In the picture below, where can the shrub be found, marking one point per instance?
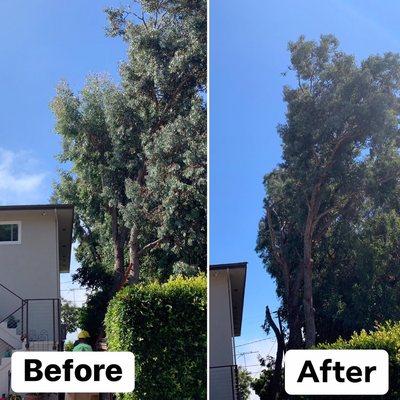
(165, 326)
(385, 337)
(68, 345)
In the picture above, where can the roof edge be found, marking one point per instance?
(33, 207)
(239, 331)
(242, 264)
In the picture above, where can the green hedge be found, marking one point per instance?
(385, 337)
(165, 326)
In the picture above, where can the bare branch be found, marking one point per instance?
(150, 246)
(141, 18)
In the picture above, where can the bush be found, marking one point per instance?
(68, 345)
(385, 337)
(165, 326)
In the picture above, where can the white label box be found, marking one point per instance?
(72, 372)
(336, 372)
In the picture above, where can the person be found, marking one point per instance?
(83, 344)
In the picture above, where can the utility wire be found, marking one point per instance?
(254, 341)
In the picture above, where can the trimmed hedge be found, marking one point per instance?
(385, 337)
(165, 326)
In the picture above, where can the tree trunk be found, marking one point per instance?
(293, 304)
(134, 256)
(292, 293)
(118, 244)
(309, 317)
(118, 247)
(274, 388)
(295, 340)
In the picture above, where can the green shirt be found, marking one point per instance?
(83, 347)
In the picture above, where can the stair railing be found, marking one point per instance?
(48, 329)
(37, 320)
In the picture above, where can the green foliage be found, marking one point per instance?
(245, 381)
(262, 384)
(96, 178)
(358, 275)
(385, 337)
(135, 153)
(93, 312)
(70, 316)
(165, 326)
(68, 346)
(338, 178)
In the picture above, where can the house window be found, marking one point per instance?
(10, 232)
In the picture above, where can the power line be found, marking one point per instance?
(248, 352)
(244, 354)
(254, 341)
(273, 345)
(253, 366)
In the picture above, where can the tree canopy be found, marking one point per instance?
(340, 146)
(135, 151)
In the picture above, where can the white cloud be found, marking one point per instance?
(20, 180)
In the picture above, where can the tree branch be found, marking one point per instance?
(150, 246)
(277, 253)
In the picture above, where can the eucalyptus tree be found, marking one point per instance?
(165, 81)
(340, 116)
(98, 144)
(135, 152)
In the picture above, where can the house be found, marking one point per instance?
(35, 248)
(226, 295)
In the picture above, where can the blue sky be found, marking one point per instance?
(42, 42)
(248, 54)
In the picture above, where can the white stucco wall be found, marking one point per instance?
(220, 320)
(220, 336)
(30, 269)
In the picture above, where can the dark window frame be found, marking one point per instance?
(12, 224)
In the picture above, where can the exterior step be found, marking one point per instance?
(9, 335)
(11, 330)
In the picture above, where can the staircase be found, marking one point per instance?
(10, 336)
(26, 325)
(9, 342)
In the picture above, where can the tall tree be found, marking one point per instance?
(135, 152)
(338, 117)
(165, 80)
(96, 128)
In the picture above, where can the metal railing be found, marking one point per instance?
(35, 321)
(41, 324)
(224, 383)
